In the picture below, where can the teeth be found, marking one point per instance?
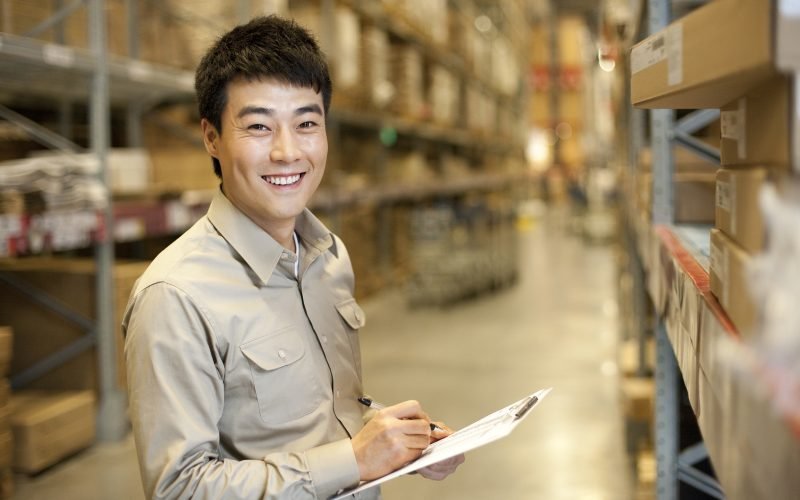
(282, 180)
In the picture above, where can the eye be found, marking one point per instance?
(260, 127)
(308, 124)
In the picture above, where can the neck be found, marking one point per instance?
(283, 236)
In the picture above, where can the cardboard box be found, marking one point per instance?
(684, 160)
(40, 332)
(183, 169)
(694, 198)
(49, 426)
(755, 127)
(6, 448)
(5, 392)
(738, 214)
(707, 58)
(729, 282)
(6, 349)
(638, 394)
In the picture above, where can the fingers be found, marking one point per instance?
(394, 437)
(440, 432)
(441, 470)
(406, 410)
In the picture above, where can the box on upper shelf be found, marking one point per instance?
(738, 214)
(729, 281)
(708, 58)
(755, 127)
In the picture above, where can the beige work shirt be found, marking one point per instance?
(243, 380)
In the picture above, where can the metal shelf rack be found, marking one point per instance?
(32, 68)
(753, 451)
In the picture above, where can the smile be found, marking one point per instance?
(282, 180)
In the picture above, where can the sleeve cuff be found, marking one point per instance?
(333, 467)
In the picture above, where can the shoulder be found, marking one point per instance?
(190, 258)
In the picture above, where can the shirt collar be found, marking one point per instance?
(258, 249)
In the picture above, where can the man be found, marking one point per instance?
(242, 336)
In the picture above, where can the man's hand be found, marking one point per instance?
(441, 470)
(395, 436)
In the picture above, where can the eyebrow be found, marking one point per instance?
(260, 110)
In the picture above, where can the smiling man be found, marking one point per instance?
(241, 338)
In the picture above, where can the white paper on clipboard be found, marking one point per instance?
(486, 430)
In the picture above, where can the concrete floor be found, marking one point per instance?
(557, 327)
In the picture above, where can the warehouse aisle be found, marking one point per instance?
(556, 328)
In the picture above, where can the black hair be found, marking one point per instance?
(265, 47)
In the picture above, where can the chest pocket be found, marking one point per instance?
(283, 376)
(354, 319)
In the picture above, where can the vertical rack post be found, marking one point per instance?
(666, 418)
(111, 420)
(135, 110)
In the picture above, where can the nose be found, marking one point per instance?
(284, 147)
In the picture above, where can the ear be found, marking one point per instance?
(210, 137)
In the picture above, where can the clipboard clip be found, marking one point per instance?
(526, 407)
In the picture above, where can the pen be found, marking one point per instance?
(377, 406)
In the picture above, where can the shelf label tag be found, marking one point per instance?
(733, 125)
(675, 54)
(724, 195)
(58, 55)
(648, 53)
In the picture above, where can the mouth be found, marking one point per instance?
(283, 180)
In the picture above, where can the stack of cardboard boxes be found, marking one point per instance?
(723, 55)
(754, 150)
(55, 415)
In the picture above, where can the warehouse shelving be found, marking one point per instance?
(35, 68)
(755, 452)
(55, 73)
(32, 68)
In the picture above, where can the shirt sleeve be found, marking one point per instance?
(176, 396)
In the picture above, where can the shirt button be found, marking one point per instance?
(338, 393)
(358, 316)
(281, 354)
(324, 339)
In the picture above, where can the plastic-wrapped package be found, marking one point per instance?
(773, 353)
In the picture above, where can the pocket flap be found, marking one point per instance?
(274, 351)
(352, 313)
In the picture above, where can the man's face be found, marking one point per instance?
(272, 149)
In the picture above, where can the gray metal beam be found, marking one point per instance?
(696, 120)
(666, 425)
(111, 420)
(53, 361)
(696, 146)
(695, 477)
(39, 133)
(56, 19)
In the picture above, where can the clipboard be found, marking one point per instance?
(484, 431)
